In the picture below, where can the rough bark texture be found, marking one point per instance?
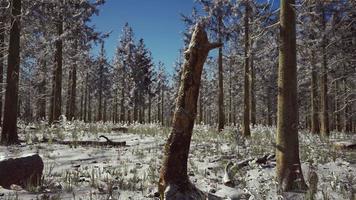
(41, 110)
(9, 128)
(73, 93)
(252, 93)
(313, 96)
(221, 115)
(2, 53)
(324, 115)
(246, 120)
(174, 182)
(25, 171)
(57, 85)
(289, 172)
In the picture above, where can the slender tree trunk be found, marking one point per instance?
(135, 109)
(221, 115)
(230, 92)
(57, 85)
(2, 58)
(89, 107)
(337, 106)
(314, 97)
(159, 98)
(41, 110)
(9, 128)
(86, 97)
(73, 93)
(252, 93)
(246, 119)
(289, 172)
(149, 107)
(174, 182)
(324, 113)
(82, 97)
(105, 111)
(122, 103)
(100, 91)
(201, 106)
(162, 107)
(68, 94)
(269, 106)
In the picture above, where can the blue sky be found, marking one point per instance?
(156, 21)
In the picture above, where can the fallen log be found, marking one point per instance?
(346, 145)
(108, 142)
(24, 171)
(261, 160)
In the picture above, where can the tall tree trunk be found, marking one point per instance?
(174, 182)
(41, 110)
(89, 107)
(73, 93)
(9, 128)
(201, 106)
(246, 118)
(221, 115)
(2, 58)
(68, 94)
(314, 97)
(289, 172)
(159, 105)
(122, 102)
(149, 106)
(230, 92)
(324, 112)
(86, 97)
(162, 107)
(269, 106)
(100, 91)
(252, 93)
(337, 106)
(57, 86)
(105, 111)
(135, 108)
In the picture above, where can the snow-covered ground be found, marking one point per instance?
(131, 172)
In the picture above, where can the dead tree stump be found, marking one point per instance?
(174, 182)
(23, 171)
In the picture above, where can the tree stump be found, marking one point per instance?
(24, 171)
(174, 182)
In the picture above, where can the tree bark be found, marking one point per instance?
(269, 106)
(25, 171)
(289, 172)
(42, 92)
(9, 128)
(324, 115)
(252, 93)
(314, 97)
(221, 115)
(2, 58)
(174, 182)
(57, 85)
(162, 107)
(246, 119)
(73, 93)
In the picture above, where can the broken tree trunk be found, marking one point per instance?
(23, 171)
(174, 182)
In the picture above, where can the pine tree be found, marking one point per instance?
(289, 172)
(9, 128)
